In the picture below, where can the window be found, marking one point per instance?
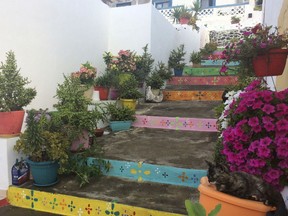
(123, 4)
(211, 3)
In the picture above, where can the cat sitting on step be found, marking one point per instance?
(246, 186)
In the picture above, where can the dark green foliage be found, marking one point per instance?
(164, 71)
(144, 65)
(155, 81)
(176, 58)
(129, 88)
(208, 49)
(195, 57)
(105, 80)
(119, 113)
(13, 93)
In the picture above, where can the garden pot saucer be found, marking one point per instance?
(46, 185)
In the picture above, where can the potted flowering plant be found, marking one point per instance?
(86, 75)
(259, 47)
(45, 145)
(254, 133)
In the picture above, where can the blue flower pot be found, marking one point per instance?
(44, 173)
(120, 125)
(178, 72)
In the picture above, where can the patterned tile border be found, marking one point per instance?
(214, 80)
(71, 205)
(153, 173)
(192, 95)
(205, 71)
(176, 123)
(217, 63)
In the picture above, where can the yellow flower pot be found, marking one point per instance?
(130, 103)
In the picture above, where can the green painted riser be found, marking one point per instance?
(205, 71)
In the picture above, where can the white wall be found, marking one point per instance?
(51, 37)
(129, 28)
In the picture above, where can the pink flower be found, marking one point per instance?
(265, 141)
(223, 69)
(267, 108)
(254, 146)
(282, 125)
(254, 121)
(269, 126)
(263, 152)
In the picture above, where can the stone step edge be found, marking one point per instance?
(188, 95)
(211, 80)
(176, 123)
(144, 172)
(72, 205)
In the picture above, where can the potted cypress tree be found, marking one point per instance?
(176, 60)
(14, 96)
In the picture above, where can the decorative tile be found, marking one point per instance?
(142, 172)
(70, 205)
(192, 95)
(176, 123)
(206, 71)
(213, 80)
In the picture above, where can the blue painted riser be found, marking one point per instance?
(153, 173)
(217, 63)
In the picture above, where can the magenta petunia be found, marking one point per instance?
(258, 163)
(263, 152)
(265, 141)
(254, 146)
(283, 163)
(268, 109)
(257, 129)
(267, 96)
(282, 125)
(282, 107)
(257, 105)
(269, 126)
(267, 119)
(282, 151)
(274, 173)
(254, 121)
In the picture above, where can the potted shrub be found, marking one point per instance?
(196, 58)
(121, 118)
(208, 50)
(129, 92)
(72, 109)
(157, 78)
(176, 60)
(45, 145)
(185, 16)
(102, 84)
(235, 20)
(261, 52)
(86, 75)
(14, 96)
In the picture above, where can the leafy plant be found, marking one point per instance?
(119, 113)
(235, 20)
(197, 209)
(13, 93)
(195, 57)
(176, 14)
(144, 65)
(158, 76)
(105, 80)
(42, 141)
(208, 49)
(129, 88)
(176, 58)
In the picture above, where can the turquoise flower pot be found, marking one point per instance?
(120, 125)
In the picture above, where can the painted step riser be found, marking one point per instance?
(192, 95)
(217, 63)
(207, 71)
(144, 172)
(214, 81)
(61, 204)
(176, 123)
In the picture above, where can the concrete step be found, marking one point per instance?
(187, 95)
(196, 87)
(181, 149)
(217, 63)
(188, 109)
(206, 81)
(104, 195)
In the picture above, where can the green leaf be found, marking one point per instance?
(199, 209)
(189, 208)
(215, 211)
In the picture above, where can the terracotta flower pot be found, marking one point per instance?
(271, 64)
(230, 205)
(184, 21)
(11, 123)
(103, 92)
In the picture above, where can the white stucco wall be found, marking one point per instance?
(129, 28)
(51, 37)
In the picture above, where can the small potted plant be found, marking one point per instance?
(235, 20)
(72, 108)
(14, 95)
(86, 75)
(208, 50)
(129, 92)
(176, 60)
(257, 52)
(196, 58)
(181, 15)
(45, 145)
(102, 84)
(121, 117)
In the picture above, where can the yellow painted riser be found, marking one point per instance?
(193, 95)
(71, 205)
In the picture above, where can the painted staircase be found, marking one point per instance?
(155, 166)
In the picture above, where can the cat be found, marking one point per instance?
(246, 186)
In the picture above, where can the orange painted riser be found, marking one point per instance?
(210, 197)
